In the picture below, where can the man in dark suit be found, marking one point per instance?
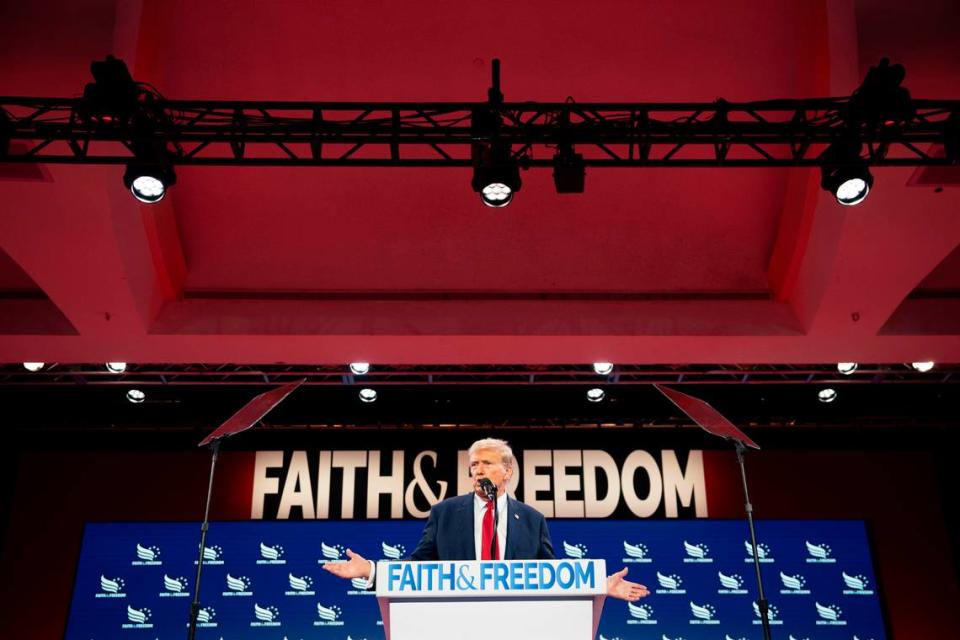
(521, 532)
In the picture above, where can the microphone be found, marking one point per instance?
(488, 488)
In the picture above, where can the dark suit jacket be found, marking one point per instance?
(449, 533)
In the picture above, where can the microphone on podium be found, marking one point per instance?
(488, 488)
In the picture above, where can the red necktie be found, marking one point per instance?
(488, 535)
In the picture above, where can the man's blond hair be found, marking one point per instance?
(496, 444)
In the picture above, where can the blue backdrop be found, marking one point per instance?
(263, 579)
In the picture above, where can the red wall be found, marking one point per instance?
(56, 493)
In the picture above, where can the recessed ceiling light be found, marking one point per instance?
(368, 395)
(827, 395)
(603, 368)
(595, 395)
(846, 368)
(359, 368)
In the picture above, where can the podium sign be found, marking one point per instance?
(533, 599)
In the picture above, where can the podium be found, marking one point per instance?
(528, 599)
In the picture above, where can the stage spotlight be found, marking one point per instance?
(148, 182)
(33, 366)
(922, 367)
(846, 368)
(880, 99)
(496, 175)
(359, 368)
(569, 172)
(136, 396)
(497, 184)
(595, 395)
(116, 367)
(845, 174)
(827, 395)
(368, 395)
(113, 95)
(603, 368)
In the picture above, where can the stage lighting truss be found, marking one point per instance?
(772, 133)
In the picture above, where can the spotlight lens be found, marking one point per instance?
(852, 191)
(595, 395)
(359, 368)
(922, 367)
(116, 367)
(147, 189)
(368, 395)
(846, 368)
(33, 366)
(603, 368)
(496, 194)
(136, 396)
(827, 395)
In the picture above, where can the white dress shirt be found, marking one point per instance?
(479, 508)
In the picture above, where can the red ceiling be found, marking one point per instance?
(406, 266)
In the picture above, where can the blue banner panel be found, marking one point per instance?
(263, 580)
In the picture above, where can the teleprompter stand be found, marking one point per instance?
(713, 422)
(244, 419)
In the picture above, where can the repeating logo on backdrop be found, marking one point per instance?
(773, 614)
(138, 618)
(670, 584)
(392, 551)
(819, 553)
(147, 556)
(697, 552)
(265, 616)
(331, 553)
(212, 555)
(328, 616)
(271, 554)
(726, 636)
(703, 614)
(829, 614)
(792, 637)
(300, 586)
(205, 618)
(174, 587)
(793, 585)
(763, 552)
(640, 614)
(730, 584)
(111, 587)
(238, 586)
(665, 637)
(576, 550)
(360, 587)
(636, 553)
(855, 585)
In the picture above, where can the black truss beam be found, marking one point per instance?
(778, 133)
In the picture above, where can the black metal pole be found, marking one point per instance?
(195, 606)
(762, 603)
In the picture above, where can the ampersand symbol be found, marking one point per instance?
(465, 580)
(420, 482)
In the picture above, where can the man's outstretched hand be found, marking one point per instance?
(617, 587)
(356, 567)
